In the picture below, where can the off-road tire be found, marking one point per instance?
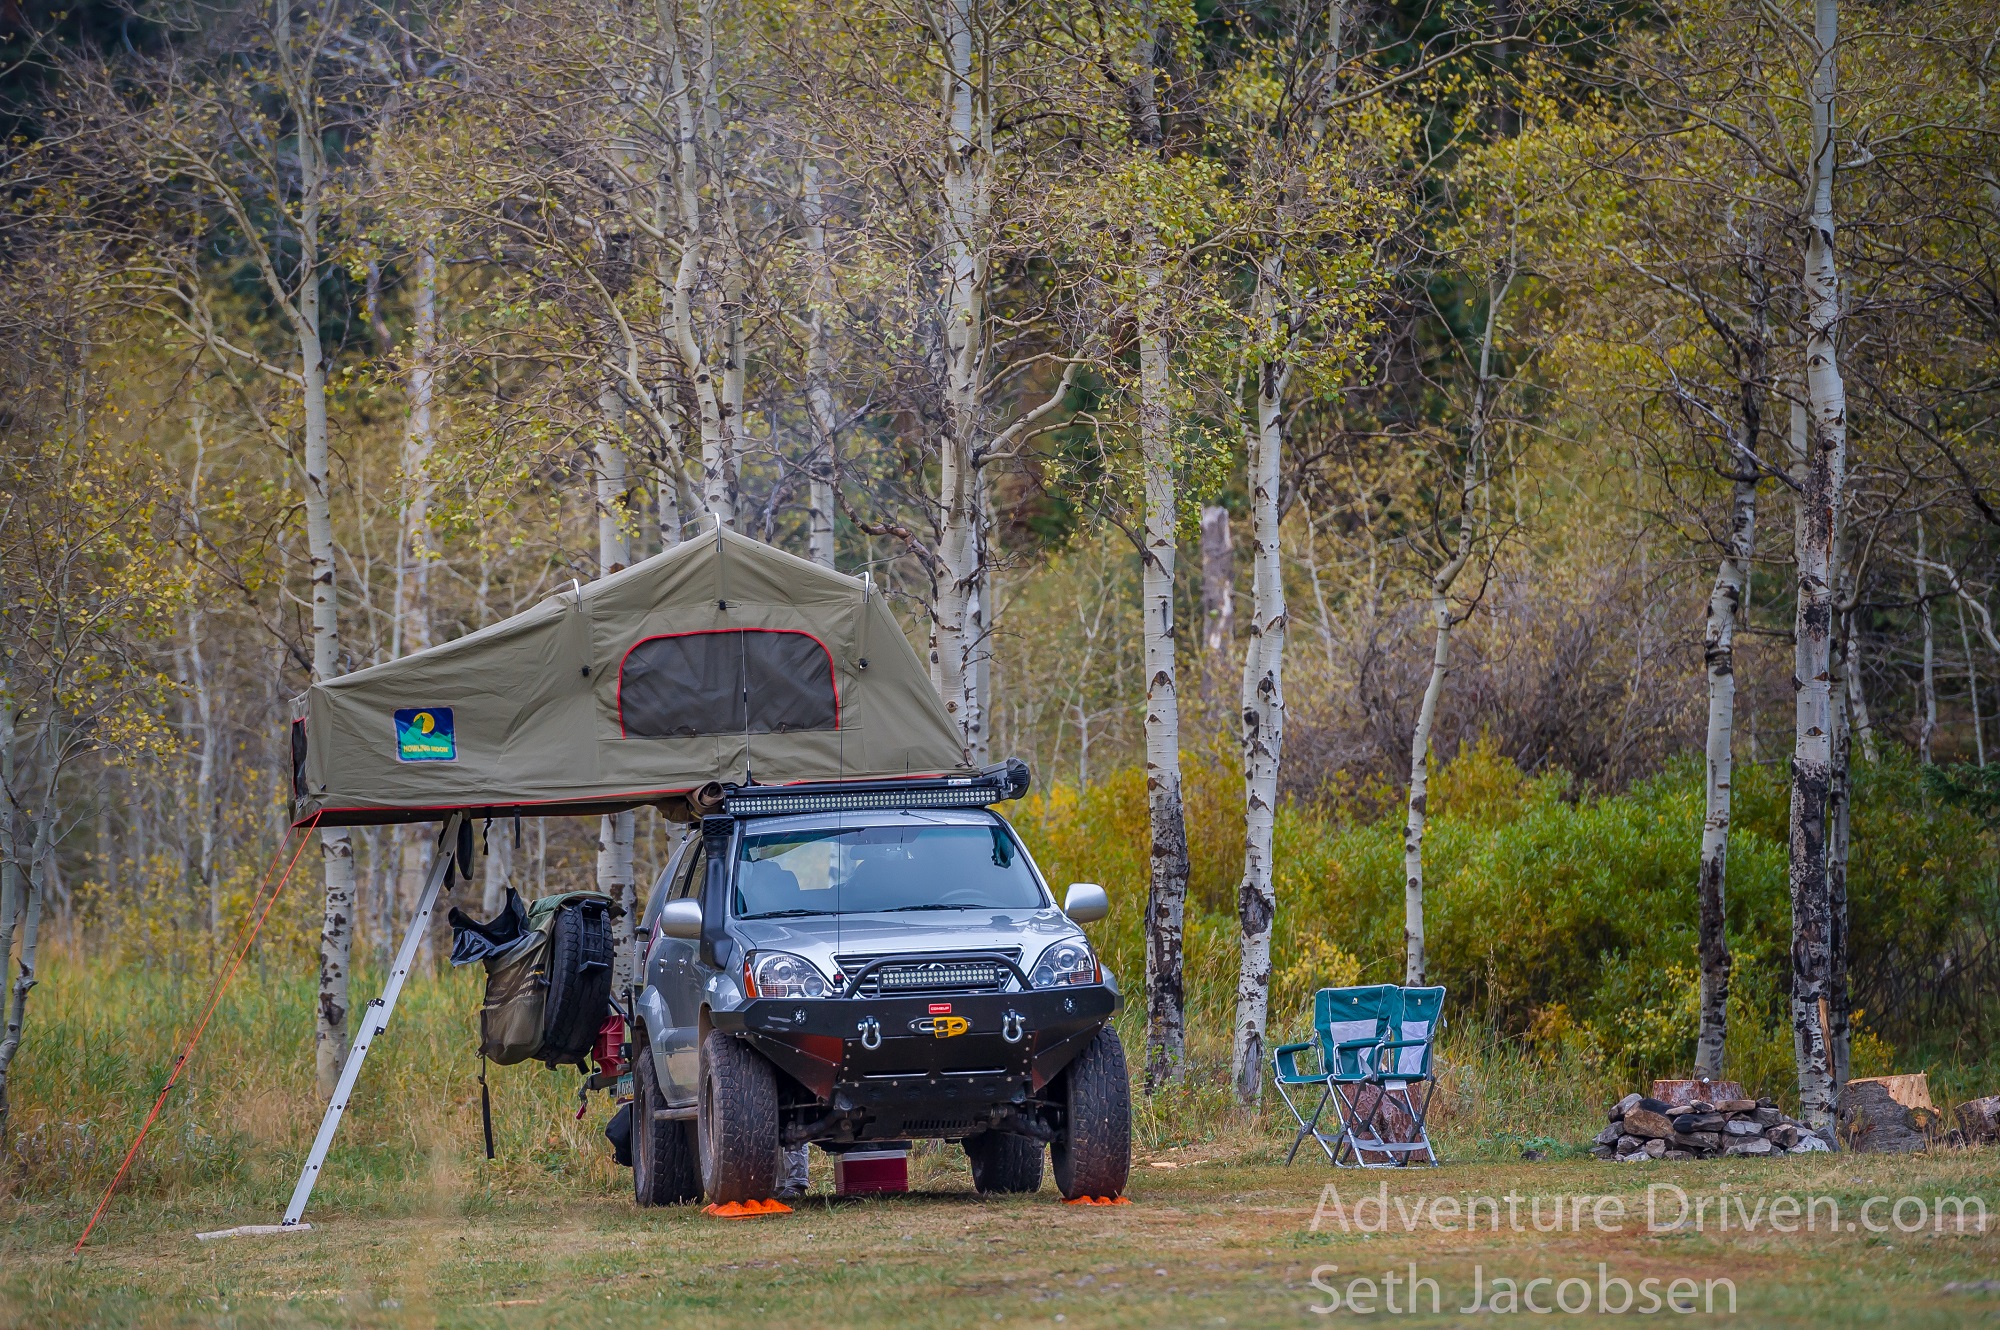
(579, 971)
(1002, 1163)
(1093, 1154)
(739, 1121)
(666, 1164)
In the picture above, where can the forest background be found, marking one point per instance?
(1387, 467)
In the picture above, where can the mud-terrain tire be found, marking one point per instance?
(666, 1163)
(739, 1121)
(579, 974)
(1003, 1164)
(1093, 1155)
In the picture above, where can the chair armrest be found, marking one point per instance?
(1393, 1045)
(1284, 1062)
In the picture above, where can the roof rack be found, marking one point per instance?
(1002, 780)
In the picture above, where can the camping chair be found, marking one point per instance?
(1401, 1064)
(1350, 1026)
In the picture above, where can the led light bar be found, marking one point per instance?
(933, 975)
(1005, 780)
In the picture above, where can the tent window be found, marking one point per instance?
(727, 681)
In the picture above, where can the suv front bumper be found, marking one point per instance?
(882, 1059)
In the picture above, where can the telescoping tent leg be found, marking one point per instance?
(375, 1021)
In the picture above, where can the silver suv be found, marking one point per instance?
(843, 966)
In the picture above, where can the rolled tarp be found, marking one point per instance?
(721, 660)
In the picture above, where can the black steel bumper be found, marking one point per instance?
(881, 1070)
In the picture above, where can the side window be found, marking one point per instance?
(690, 884)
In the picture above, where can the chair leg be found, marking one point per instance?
(1307, 1126)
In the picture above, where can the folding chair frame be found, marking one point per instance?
(1355, 1115)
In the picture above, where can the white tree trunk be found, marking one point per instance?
(1418, 811)
(1166, 1035)
(967, 208)
(1857, 700)
(336, 848)
(499, 866)
(1927, 730)
(1972, 686)
(1263, 708)
(1818, 505)
(690, 76)
(822, 466)
(615, 830)
(413, 573)
(1218, 581)
(1725, 606)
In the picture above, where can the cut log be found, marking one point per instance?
(1911, 1090)
(1872, 1121)
(1979, 1119)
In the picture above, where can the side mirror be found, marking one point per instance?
(681, 919)
(1086, 902)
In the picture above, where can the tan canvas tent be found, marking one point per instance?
(721, 659)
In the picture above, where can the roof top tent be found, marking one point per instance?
(717, 665)
(721, 660)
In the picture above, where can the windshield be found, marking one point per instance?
(862, 870)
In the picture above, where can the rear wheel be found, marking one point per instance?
(1002, 1163)
(666, 1169)
(1093, 1155)
(739, 1121)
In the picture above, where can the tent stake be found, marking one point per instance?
(374, 1021)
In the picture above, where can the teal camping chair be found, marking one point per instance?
(1406, 1063)
(1376, 1046)
(1350, 1025)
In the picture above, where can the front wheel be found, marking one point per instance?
(665, 1167)
(1002, 1163)
(1093, 1155)
(739, 1121)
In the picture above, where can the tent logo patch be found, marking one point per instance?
(424, 734)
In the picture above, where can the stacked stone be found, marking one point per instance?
(1643, 1128)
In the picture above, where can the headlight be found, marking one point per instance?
(1065, 963)
(779, 974)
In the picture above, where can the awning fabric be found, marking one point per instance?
(720, 660)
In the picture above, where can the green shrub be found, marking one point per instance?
(1552, 914)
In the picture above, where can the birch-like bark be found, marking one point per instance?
(1839, 836)
(1972, 686)
(1218, 581)
(1820, 498)
(1263, 701)
(1927, 731)
(499, 867)
(968, 188)
(614, 551)
(1857, 698)
(21, 912)
(204, 711)
(1441, 625)
(690, 75)
(822, 466)
(336, 848)
(412, 630)
(1725, 607)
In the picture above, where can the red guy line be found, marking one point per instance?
(214, 1000)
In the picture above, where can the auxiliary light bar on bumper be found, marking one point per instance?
(1002, 780)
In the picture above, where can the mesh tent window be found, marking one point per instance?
(727, 681)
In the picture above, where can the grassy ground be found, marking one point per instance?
(1214, 1240)
(414, 1227)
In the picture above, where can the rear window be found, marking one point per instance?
(727, 681)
